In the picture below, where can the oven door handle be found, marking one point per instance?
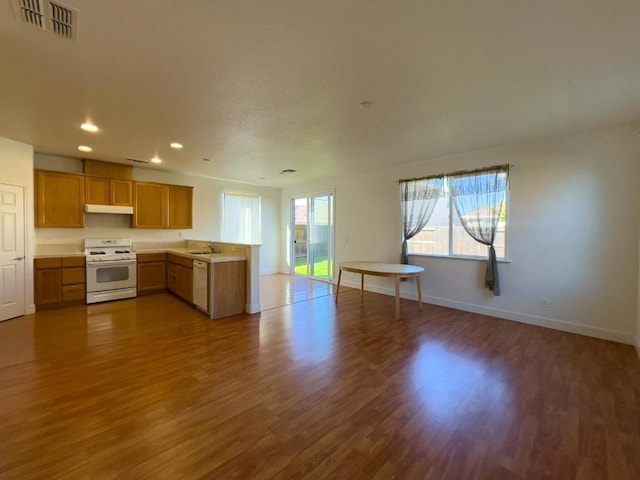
(112, 263)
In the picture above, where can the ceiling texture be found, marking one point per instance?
(266, 85)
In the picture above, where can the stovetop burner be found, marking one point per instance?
(100, 250)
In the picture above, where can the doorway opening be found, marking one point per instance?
(312, 219)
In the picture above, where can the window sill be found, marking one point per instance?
(458, 257)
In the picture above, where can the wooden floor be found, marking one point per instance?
(149, 388)
(278, 290)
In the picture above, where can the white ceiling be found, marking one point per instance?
(264, 85)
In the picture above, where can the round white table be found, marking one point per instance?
(378, 269)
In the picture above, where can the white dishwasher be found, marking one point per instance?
(200, 284)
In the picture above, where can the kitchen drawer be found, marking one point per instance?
(72, 276)
(73, 292)
(73, 261)
(41, 263)
(184, 261)
(151, 257)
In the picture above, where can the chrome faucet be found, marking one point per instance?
(213, 248)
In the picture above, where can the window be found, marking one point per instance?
(444, 234)
(241, 218)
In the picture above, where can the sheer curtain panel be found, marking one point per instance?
(241, 218)
(479, 198)
(418, 198)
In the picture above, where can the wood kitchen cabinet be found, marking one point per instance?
(121, 192)
(229, 288)
(59, 199)
(180, 276)
(149, 205)
(108, 191)
(152, 273)
(184, 283)
(48, 287)
(179, 205)
(59, 282)
(156, 205)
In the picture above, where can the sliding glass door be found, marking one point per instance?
(312, 227)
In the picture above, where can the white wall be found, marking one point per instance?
(16, 168)
(207, 212)
(573, 233)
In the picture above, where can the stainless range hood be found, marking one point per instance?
(122, 210)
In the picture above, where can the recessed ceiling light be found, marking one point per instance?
(89, 127)
(176, 145)
(84, 148)
(156, 160)
(365, 104)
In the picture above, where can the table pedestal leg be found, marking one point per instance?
(362, 284)
(419, 286)
(338, 288)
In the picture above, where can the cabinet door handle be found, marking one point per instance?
(18, 258)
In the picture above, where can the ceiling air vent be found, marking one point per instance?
(135, 160)
(53, 17)
(31, 11)
(64, 20)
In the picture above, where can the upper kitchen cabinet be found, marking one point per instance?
(180, 201)
(121, 192)
(149, 205)
(108, 191)
(59, 199)
(156, 205)
(96, 190)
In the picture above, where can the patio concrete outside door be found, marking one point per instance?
(12, 263)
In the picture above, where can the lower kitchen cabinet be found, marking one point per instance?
(184, 284)
(180, 276)
(59, 282)
(48, 286)
(151, 273)
(229, 288)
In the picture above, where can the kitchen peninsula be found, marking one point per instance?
(228, 285)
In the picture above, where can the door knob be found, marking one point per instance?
(18, 258)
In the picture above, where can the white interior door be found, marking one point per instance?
(11, 251)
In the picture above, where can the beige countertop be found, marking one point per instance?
(205, 257)
(59, 255)
(184, 252)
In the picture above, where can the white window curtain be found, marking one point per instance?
(479, 197)
(241, 218)
(418, 198)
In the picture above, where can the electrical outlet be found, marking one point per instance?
(545, 302)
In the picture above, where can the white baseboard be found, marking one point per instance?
(253, 308)
(269, 272)
(527, 318)
(30, 309)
